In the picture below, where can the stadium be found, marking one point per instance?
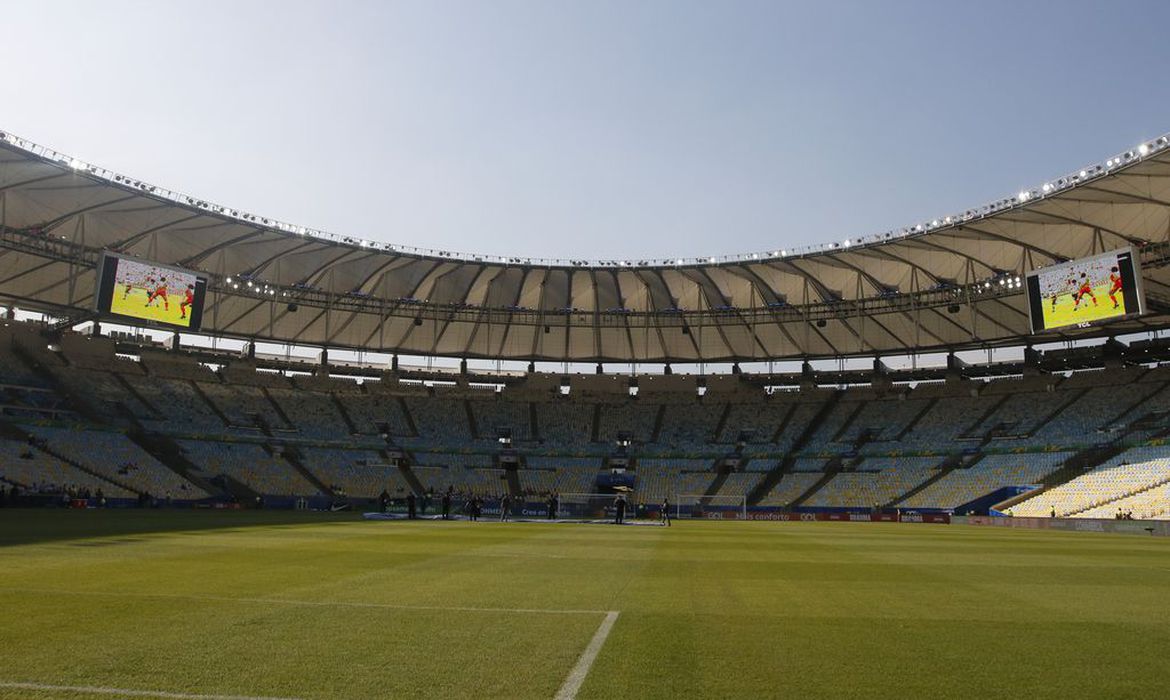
(243, 500)
(584, 350)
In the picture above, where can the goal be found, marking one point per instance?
(689, 505)
(591, 506)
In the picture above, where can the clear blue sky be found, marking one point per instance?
(590, 129)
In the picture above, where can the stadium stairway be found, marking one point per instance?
(293, 457)
(471, 419)
(832, 468)
(949, 465)
(276, 407)
(533, 422)
(783, 424)
(849, 421)
(340, 406)
(658, 420)
(407, 474)
(970, 434)
(785, 465)
(714, 487)
(211, 404)
(723, 416)
(1076, 396)
(512, 476)
(170, 455)
(130, 389)
(914, 421)
(406, 413)
(238, 490)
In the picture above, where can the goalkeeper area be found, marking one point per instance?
(266, 604)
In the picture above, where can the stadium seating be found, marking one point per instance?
(358, 473)
(993, 472)
(38, 472)
(1012, 431)
(1128, 474)
(249, 464)
(115, 456)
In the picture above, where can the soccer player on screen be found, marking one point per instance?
(1114, 285)
(1070, 287)
(188, 300)
(160, 291)
(1086, 288)
(126, 292)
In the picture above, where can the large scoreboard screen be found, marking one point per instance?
(149, 291)
(1084, 292)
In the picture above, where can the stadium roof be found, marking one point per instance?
(946, 284)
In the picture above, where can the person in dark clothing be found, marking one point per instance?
(446, 505)
(505, 504)
(411, 501)
(552, 506)
(666, 511)
(619, 509)
(383, 501)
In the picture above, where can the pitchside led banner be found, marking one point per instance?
(148, 291)
(1092, 290)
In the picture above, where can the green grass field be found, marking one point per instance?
(321, 606)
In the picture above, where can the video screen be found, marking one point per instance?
(150, 292)
(1082, 292)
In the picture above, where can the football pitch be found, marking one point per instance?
(287, 605)
(1068, 313)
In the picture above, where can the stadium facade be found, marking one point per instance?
(1084, 423)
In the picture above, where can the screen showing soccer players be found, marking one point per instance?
(150, 292)
(1086, 291)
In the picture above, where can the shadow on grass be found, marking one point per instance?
(117, 526)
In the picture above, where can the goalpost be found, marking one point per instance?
(589, 505)
(600, 505)
(696, 505)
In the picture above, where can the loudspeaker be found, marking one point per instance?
(821, 323)
(953, 309)
(292, 308)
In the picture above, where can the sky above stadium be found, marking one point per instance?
(594, 130)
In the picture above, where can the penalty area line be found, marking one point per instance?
(577, 676)
(129, 692)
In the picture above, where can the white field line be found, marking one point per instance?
(576, 677)
(304, 603)
(129, 693)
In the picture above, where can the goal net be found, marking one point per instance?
(710, 507)
(593, 506)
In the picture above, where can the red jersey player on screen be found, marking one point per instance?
(160, 291)
(1086, 288)
(188, 300)
(1114, 285)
